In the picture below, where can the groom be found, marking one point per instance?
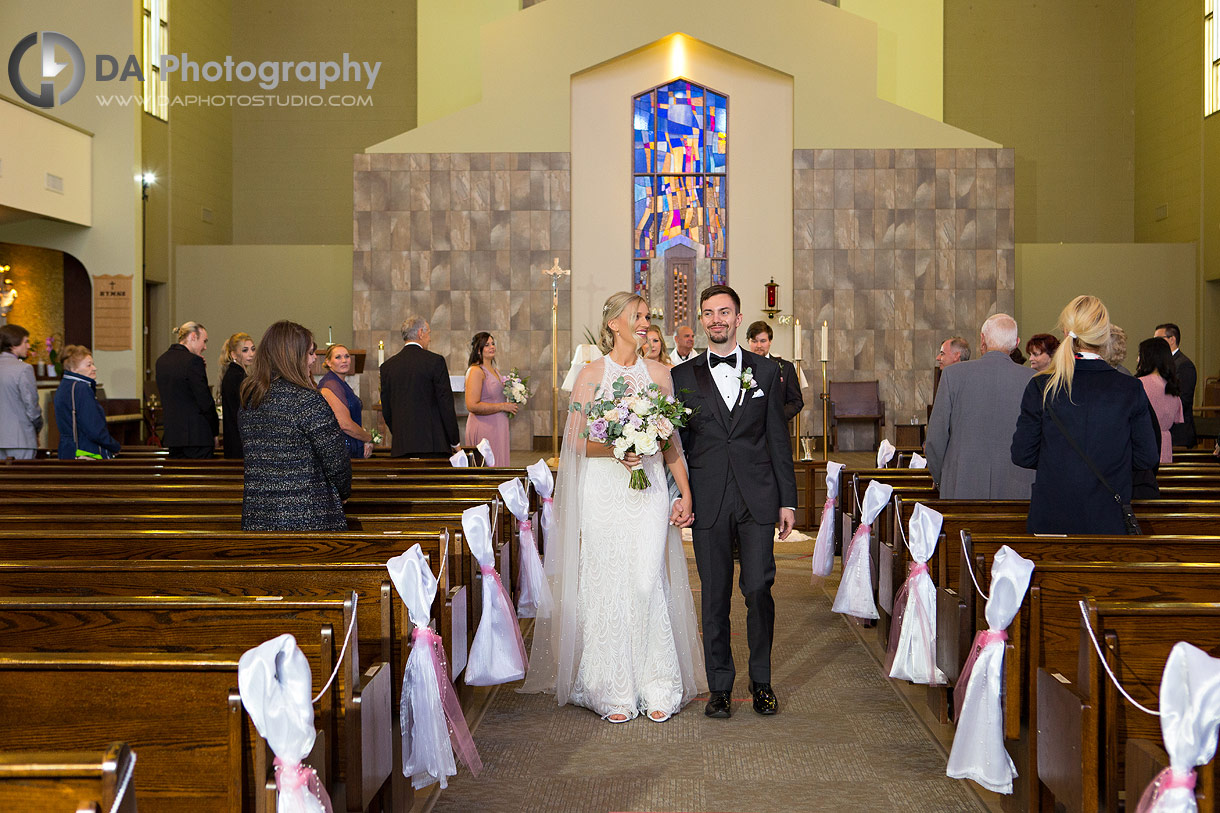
(743, 482)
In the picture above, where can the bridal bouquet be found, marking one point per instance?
(516, 388)
(640, 423)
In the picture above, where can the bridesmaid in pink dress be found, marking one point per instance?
(485, 399)
(1155, 370)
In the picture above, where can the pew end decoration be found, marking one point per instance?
(535, 596)
(978, 751)
(275, 683)
(885, 453)
(1190, 717)
(544, 483)
(498, 653)
(459, 459)
(918, 461)
(484, 447)
(433, 726)
(912, 650)
(855, 596)
(824, 546)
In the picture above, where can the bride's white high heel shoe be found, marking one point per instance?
(652, 715)
(610, 718)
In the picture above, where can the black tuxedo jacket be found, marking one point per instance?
(752, 439)
(1183, 434)
(417, 403)
(794, 402)
(190, 413)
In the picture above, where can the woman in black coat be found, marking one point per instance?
(235, 358)
(1104, 411)
(297, 469)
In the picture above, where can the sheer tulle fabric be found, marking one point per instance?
(824, 546)
(912, 652)
(621, 636)
(978, 744)
(1190, 716)
(497, 654)
(855, 596)
(276, 685)
(430, 728)
(535, 593)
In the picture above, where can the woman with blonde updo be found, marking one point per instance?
(236, 356)
(1104, 412)
(622, 638)
(654, 346)
(343, 400)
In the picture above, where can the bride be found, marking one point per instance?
(622, 638)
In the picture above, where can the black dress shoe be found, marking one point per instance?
(719, 705)
(764, 698)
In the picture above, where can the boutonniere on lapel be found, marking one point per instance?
(747, 383)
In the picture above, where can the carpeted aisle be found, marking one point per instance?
(843, 740)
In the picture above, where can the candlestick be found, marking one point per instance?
(825, 341)
(380, 353)
(330, 336)
(796, 341)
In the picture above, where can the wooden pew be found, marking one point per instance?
(69, 781)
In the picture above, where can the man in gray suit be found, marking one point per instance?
(974, 417)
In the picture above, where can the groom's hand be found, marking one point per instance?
(681, 514)
(787, 520)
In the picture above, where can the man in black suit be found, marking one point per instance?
(742, 481)
(1183, 434)
(760, 336)
(416, 398)
(191, 423)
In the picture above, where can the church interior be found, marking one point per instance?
(872, 177)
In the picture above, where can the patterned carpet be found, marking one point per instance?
(843, 741)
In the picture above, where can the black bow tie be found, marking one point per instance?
(729, 360)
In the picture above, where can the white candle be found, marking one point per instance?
(825, 341)
(796, 341)
(380, 353)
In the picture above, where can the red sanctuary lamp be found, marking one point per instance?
(771, 298)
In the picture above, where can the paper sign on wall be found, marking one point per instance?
(112, 312)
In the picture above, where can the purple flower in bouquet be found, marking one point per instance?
(597, 429)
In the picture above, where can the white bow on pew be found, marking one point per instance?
(824, 547)
(535, 591)
(855, 596)
(498, 653)
(459, 460)
(484, 447)
(978, 744)
(433, 725)
(275, 683)
(912, 651)
(918, 461)
(885, 453)
(1190, 716)
(544, 483)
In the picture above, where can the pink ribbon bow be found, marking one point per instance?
(506, 607)
(1166, 780)
(525, 525)
(459, 733)
(861, 532)
(290, 778)
(900, 609)
(981, 639)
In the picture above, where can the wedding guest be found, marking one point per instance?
(684, 344)
(485, 399)
(20, 415)
(1106, 415)
(760, 336)
(81, 421)
(1041, 346)
(297, 469)
(952, 351)
(349, 410)
(1188, 376)
(1155, 369)
(1115, 352)
(191, 423)
(235, 358)
(654, 347)
(416, 397)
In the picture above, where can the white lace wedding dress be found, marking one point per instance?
(623, 638)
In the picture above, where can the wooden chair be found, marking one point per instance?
(856, 401)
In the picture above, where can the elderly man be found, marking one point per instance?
(416, 398)
(1183, 434)
(191, 423)
(975, 415)
(20, 415)
(952, 351)
(684, 344)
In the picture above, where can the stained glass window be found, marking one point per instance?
(639, 278)
(680, 165)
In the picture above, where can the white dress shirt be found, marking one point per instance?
(728, 379)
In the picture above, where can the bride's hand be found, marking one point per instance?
(682, 515)
(630, 460)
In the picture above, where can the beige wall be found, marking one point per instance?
(32, 146)
(291, 167)
(910, 51)
(1056, 82)
(247, 288)
(1142, 285)
(112, 244)
(450, 59)
(760, 174)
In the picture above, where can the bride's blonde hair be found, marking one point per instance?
(614, 307)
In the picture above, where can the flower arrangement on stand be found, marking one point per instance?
(639, 423)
